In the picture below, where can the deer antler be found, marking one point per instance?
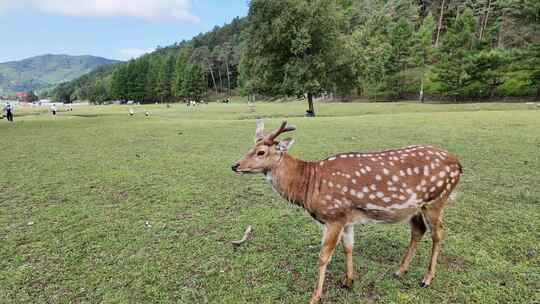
(282, 129)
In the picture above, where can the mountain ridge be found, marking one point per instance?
(45, 71)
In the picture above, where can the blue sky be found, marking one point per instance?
(116, 29)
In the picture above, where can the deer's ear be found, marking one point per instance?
(259, 131)
(285, 145)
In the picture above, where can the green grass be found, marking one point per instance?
(99, 207)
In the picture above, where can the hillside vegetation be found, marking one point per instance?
(44, 71)
(378, 49)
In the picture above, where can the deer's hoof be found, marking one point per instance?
(347, 284)
(424, 284)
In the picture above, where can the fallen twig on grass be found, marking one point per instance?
(247, 235)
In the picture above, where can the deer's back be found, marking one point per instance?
(383, 186)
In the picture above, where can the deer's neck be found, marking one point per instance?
(291, 178)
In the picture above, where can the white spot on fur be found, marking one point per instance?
(410, 203)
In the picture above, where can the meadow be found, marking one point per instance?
(100, 207)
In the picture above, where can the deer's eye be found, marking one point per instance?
(260, 153)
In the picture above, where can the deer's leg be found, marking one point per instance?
(329, 241)
(347, 241)
(433, 218)
(418, 228)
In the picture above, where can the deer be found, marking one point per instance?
(411, 184)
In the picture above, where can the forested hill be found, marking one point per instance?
(208, 62)
(44, 71)
(388, 49)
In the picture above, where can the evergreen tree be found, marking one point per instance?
(194, 82)
(179, 74)
(400, 60)
(164, 78)
(423, 49)
(454, 55)
(119, 87)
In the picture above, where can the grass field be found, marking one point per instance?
(98, 207)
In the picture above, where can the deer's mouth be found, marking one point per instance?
(241, 172)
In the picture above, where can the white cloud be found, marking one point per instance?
(132, 53)
(147, 9)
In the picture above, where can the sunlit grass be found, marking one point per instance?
(97, 206)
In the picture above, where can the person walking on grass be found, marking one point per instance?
(9, 112)
(53, 110)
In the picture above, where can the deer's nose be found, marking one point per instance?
(235, 167)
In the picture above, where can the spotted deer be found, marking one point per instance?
(411, 185)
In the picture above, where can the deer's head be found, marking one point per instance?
(267, 151)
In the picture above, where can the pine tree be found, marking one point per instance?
(119, 83)
(164, 78)
(454, 54)
(423, 49)
(179, 74)
(194, 83)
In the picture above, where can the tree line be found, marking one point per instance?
(380, 49)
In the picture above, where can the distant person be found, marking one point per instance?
(146, 113)
(53, 110)
(9, 112)
(131, 113)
